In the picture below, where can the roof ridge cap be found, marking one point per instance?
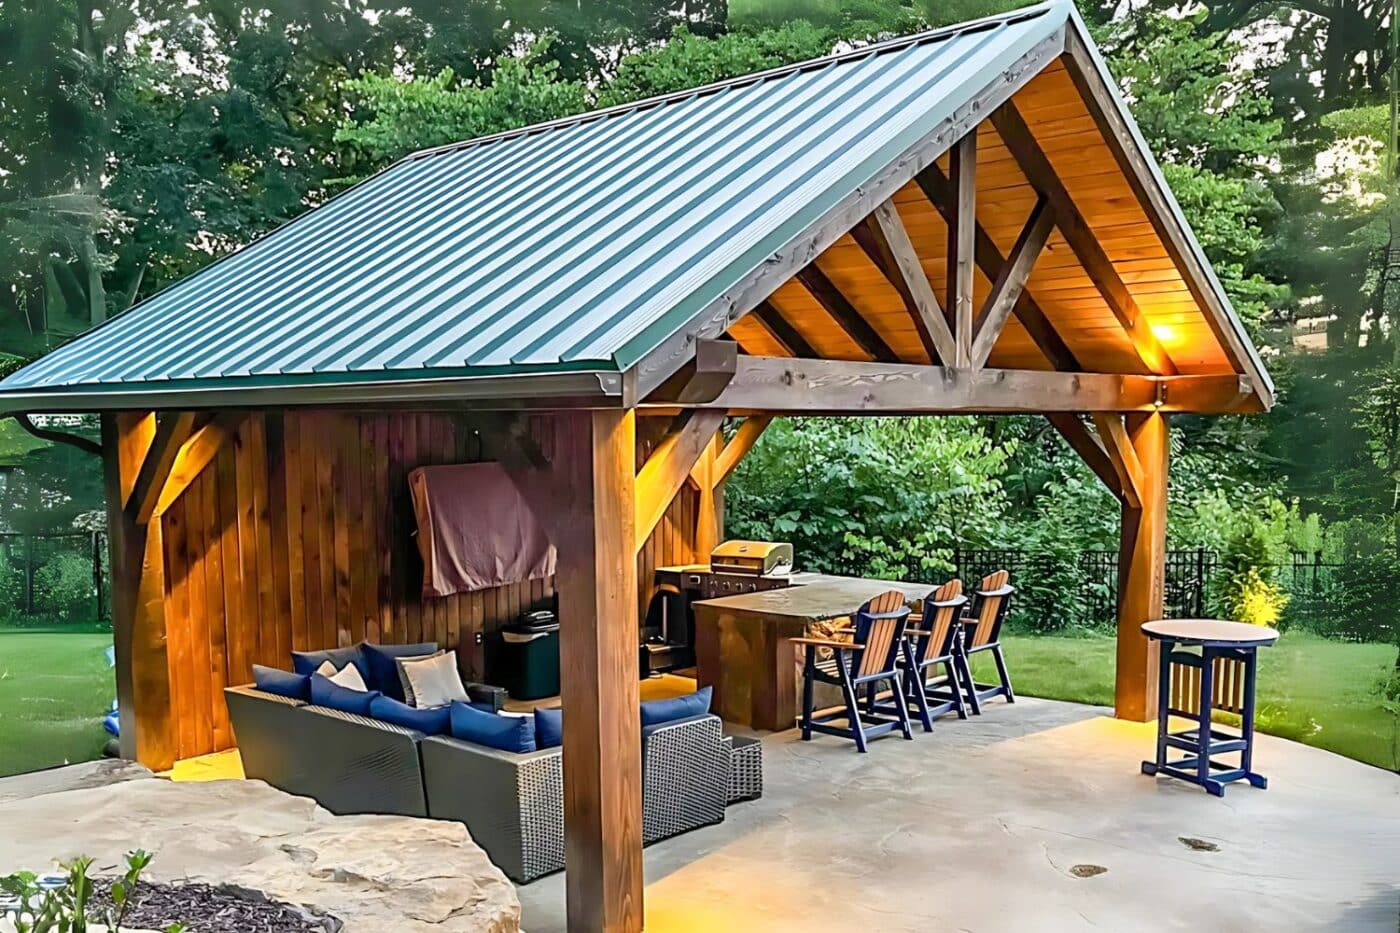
(893, 44)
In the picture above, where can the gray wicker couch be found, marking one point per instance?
(346, 763)
(513, 804)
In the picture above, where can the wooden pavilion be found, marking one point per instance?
(961, 221)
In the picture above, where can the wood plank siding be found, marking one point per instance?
(300, 536)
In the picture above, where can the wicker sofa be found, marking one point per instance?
(513, 804)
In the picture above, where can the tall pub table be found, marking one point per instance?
(1206, 665)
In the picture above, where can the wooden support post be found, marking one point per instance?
(962, 227)
(597, 585)
(1142, 571)
(709, 512)
(138, 598)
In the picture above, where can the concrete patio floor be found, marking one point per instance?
(1000, 823)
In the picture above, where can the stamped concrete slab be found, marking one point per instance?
(1030, 817)
(374, 873)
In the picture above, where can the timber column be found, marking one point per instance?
(1142, 555)
(595, 458)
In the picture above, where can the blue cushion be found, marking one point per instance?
(381, 673)
(549, 728)
(324, 692)
(435, 720)
(507, 733)
(306, 662)
(655, 712)
(282, 683)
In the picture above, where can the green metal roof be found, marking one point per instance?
(559, 255)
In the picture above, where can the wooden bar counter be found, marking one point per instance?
(743, 644)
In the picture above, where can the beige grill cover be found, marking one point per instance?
(475, 530)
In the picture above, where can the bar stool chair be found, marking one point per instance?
(982, 632)
(933, 644)
(870, 660)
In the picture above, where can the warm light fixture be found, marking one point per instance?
(1163, 331)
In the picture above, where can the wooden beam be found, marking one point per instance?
(1089, 447)
(962, 225)
(739, 445)
(780, 265)
(1142, 572)
(709, 509)
(704, 376)
(665, 471)
(595, 458)
(939, 190)
(783, 331)
(195, 454)
(1080, 236)
(1116, 443)
(137, 559)
(856, 327)
(172, 430)
(779, 385)
(886, 242)
(1010, 282)
(1121, 139)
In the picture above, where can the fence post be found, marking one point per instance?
(29, 574)
(1199, 610)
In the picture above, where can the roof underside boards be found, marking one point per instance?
(560, 256)
(547, 249)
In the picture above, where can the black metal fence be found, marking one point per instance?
(1189, 574)
(54, 578)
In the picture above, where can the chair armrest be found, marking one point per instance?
(824, 643)
(922, 633)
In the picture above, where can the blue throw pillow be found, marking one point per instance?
(282, 683)
(507, 733)
(549, 728)
(306, 662)
(435, 720)
(325, 692)
(656, 712)
(381, 673)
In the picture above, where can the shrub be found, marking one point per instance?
(63, 588)
(68, 908)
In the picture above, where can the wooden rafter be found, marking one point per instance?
(962, 226)
(779, 385)
(840, 308)
(1090, 449)
(195, 454)
(939, 190)
(781, 330)
(1119, 447)
(885, 241)
(1077, 232)
(172, 430)
(1010, 282)
(665, 471)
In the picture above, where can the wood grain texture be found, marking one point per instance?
(321, 563)
(1142, 571)
(598, 671)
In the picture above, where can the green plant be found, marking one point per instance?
(63, 588)
(69, 907)
(1255, 600)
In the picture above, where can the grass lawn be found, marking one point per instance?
(54, 688)
(1312, 690)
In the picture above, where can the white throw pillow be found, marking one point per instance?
(404, 682)
(435, 680)
(348, 676)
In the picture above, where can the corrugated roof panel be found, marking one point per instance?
(581, 243)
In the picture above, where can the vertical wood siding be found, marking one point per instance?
(299, 535)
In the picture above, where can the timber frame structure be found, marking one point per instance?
(965, 221)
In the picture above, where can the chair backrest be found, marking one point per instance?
(941, 609)
(993, 599)
(880, 625)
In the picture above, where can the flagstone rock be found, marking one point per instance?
(370, 872)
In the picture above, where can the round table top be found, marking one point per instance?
(1210, 631)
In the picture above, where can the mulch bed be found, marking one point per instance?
(204, 908)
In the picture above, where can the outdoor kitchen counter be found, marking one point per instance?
(743, 643)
